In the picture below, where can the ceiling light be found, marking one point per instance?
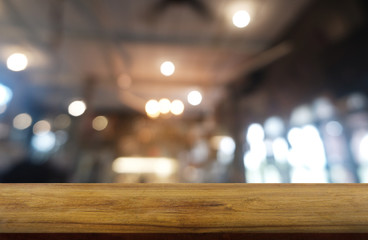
(152, 108)
(167, 68)
(165, 105)
(241, 19)
(194, 98)
(177, 107)
(77, 108)
(99, 123)
(17, 62)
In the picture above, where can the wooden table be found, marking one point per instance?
(183, 211)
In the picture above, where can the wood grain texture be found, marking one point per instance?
(183, 208)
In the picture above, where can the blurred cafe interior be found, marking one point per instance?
(192, 91)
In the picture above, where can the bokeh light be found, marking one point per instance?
(43, 142)
(194, 98)
(167, 68)
(17, 62)
(77, 108)
(177, 107)
(41, 127)
(255, 133)
(6, 95)
(241, 19)
(22, 121)
(62, 121)
(164, 105)
(152, 108)
(99, 123)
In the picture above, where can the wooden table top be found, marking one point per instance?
(184, 208)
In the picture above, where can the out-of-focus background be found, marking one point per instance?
(258, 91)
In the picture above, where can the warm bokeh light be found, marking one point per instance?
(152, 108)
(17, 62)
(77, 108)
(42, 126)
(177, 107)
(161, 166)
(167, 68)
(194, 98)
(165, 105)
(5, 94)
(99, 123)
(22, 121)
(241, 19)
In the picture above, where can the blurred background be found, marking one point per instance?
(258, 91)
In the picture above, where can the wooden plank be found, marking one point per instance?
(183, 208)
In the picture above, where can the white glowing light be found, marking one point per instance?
(280, 150)
(274, 127)
(363, 148)
(99, 123)
(307, 149)
(255, 133)
(167, 68)
(334, 128)
(5, 94)
(22, 121)
(227, 145)
(163, 167)
(194, 98)
(42, 126)
(17, 62)
(177, 107)
(77, 108)
(302, 115)
(152, 108)
(164, 105)
(43, 142)
(241, 19)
